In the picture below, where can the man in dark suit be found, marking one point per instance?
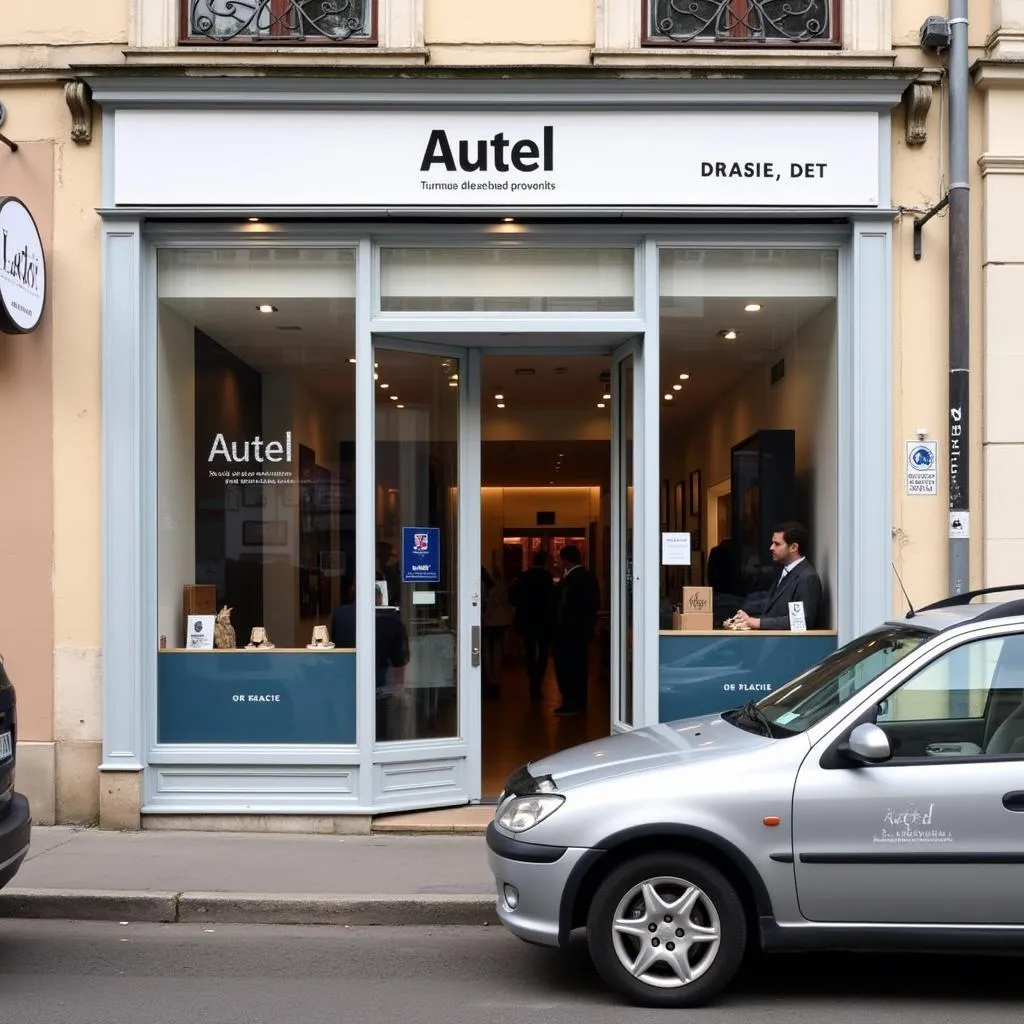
(531, 597)
(576, 604)
(797, 583)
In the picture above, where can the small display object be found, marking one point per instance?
(223, 631)
(199, 633)
(320, 641)
(258, 640)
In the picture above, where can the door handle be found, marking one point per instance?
(474, 647)
(1014, 801)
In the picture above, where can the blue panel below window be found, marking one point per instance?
(701, 674)
(256, 697)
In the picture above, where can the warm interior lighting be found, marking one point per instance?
(600, 405)
(677, 387)
(353, 359)
(684, 376)
(384, 387)
(669, 397)
(265, 307)
(254, 220)
(752, 307)
(394, 398)
(606, 397)
(509, 220)
(499, 398)
(501, 405)
(729, 335)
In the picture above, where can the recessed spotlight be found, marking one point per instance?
(499, 397)
(684, 376)
(677, 387)
(384, 387)
(729, 335)
(399, 406)
(606, 397)
(752, 307)
(376, 366)
(669, 397)
(509, 220)
(265, 307)
(254, 220)
(376, 375)
(353, 359)
(394, 398)
(600, 405)
(454, 376)
(453, 383)
(501, 405)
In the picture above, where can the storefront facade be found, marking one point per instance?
(470, 220)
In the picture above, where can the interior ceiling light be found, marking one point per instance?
(729, 335)
(669, 397)
(399, 406)
(606, 397)
(254, 220)
(454, 376)
(384, 387)
(394, 398)
(684, 376)
(752, 307)
(353, 359)
(677, 387)
(453, 383)
(499, 397)
(376, 375)
(266, 307)
(600, 405)
(509, 220)
(501, 405)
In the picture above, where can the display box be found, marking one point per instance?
(697, 601)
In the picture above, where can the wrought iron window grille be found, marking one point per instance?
(742, 22)
(280, 22)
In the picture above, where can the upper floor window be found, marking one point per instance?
(315, 22)
(741, 22)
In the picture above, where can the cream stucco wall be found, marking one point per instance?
(63, 779)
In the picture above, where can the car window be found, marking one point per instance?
(820, 690)
(967, 702)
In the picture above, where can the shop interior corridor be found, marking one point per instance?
(517, 729)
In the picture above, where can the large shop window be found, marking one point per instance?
(256, 495)
(749, 433)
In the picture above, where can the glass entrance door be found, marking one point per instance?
(426, 588)
(623, 654)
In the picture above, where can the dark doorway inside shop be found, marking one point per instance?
(546, 481)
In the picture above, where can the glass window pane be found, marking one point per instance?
(256, 494)
(496, 279)
(416, 595)
(749, 425)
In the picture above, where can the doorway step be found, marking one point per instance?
(471, 819)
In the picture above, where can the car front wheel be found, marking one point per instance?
(666, 930)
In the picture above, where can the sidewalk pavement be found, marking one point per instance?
(252, 878)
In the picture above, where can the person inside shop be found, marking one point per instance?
(391, 642)
(577, 601)
(797, 585)
(389, 572)
(531, 596)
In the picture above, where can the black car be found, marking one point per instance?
(15, 818)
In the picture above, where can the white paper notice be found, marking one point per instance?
(675, 549)
(797, 618)
(200, 633)
(424, 597)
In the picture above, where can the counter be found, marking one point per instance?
(702, 672)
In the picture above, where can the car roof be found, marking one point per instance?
(962, 609)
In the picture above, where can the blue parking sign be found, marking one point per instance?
(421, 554)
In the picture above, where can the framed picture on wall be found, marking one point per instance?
(695, 493)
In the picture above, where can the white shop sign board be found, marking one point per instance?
(247, 158)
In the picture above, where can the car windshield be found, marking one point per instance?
(816, 693)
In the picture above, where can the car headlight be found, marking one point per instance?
(527, 811)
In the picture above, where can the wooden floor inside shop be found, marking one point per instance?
(517, 729)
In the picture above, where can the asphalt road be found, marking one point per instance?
(64, 972)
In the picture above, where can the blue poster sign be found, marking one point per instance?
(421, 554)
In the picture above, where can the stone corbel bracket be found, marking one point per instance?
(917, 102)
(78, 97)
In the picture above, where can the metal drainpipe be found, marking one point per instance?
(959, 304)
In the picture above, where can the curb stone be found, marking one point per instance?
(248, 908)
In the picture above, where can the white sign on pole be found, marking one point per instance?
(959, 525)
(675, 549)
(922, 467)
(503, 158)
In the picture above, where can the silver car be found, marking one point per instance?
(876, 801)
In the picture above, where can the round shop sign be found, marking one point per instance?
(22, 269)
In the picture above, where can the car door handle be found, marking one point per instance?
(1014, 801)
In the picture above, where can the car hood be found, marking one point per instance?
(691, 740)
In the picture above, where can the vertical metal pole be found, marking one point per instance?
(959, 304)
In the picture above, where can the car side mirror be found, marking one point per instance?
(868, 744)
